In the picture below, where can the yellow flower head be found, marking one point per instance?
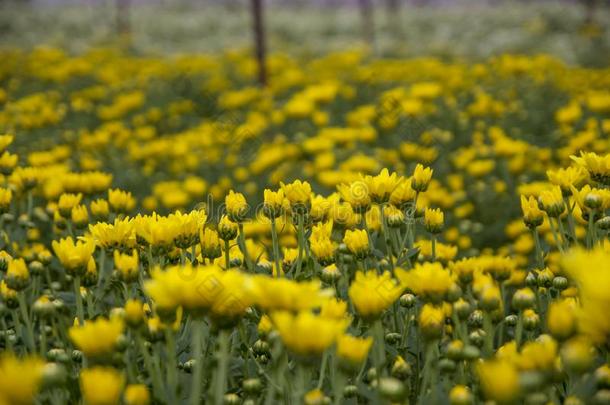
(403, 195)
(210, 244)
(372, 294)
(334, 308)
(381, 186)
(323, 249)
(551, 201)
(8, 162)
(97, 338)
(499, 380)
(532, 214)
(20, 379)
(356, 194)
(74, 256)
(282, 294)
(573, 176)
(298, 194)
(5, 141)
(307, 334)
(17, 275)
(273, 203)
(121, 201)
(236, 206)
(79, 216)
(101, 385)
(431, 321)
(461, 395)
(421, 178)
(126, 265)
(66, 202)
(343, 215)
(352, 349)
(120, 234)
(430, 281)
(186, 228)
(6, 196)
(357, 242)
(589, 269)
(134, 312)
(561, 318)
(100, 209)
(136, 394)
(539, 354)
(434, 220)
(227, 229)
(597, 166)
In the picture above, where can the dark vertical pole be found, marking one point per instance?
(259, 40)
(368, 27)
(122, 17)
(393, 17)
(590, 6)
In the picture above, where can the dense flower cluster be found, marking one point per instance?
(392, 230)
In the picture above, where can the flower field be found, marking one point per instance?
(361, 230)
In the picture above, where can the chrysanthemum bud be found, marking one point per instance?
(572, 400)
(455, 349)
(407, 300)
(350, 391)
(54, 375)
(523, 299)
(511, 320)
(36, 268)
(475, 320)
(460, 395)
(392, 389)
(530, 319)
(434, 220)
(252, 386)
(577, 355)
(462, 308)
(560, 283)
(231, 399)
(260, 347)
(601, 397)
(43, 307)
(477, 337)
(447, 366)
(227, 230)
(471, 352)
(401, 369)
(602, 376)
(392, 338)
(330, 274)
(604, 223)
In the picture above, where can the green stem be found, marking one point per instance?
(379, 347)
(80, 313)
(148, 363)
(519, 330)
(43, 338)
(300, 234)
(539, 252)
(222, 366)
(276, 247)
(322, 371)
(197, 350)
(243, 247)
(26, 320)
(170, 348)
(227, 256)
(386, 236)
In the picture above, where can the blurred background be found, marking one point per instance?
(576, 31)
